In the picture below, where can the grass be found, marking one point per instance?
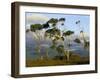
(74, 60)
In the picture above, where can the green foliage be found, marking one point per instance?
(62, 19)
(60, 49)
(53, 46)
(62, 38)
(54, 24)
(68, 33)
(35, 27)
(53, 20)
(52, 32)
(46, 25)
(86, 44)
(77, 40)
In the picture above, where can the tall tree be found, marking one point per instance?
(35, 29)
(86, 44)
(67, 35)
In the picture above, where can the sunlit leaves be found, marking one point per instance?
(52, 32)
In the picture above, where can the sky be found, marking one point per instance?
(69, 24)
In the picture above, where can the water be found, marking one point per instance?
(32, 54)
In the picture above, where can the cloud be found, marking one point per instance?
(33, 18)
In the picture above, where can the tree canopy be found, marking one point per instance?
(53, 20)
(62, 19)
(52, 32)
(68, 33)
(35, 27)
(77, 40)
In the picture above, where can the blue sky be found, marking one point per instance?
(33, 18)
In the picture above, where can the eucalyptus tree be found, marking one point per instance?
(54, 33)
(53, 22)
(60, 50)
(86, 43)
(35, 29)
(77, 40)
(38, 35)
(62, 20)
(67, 35)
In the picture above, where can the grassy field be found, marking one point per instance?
(74, 60)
